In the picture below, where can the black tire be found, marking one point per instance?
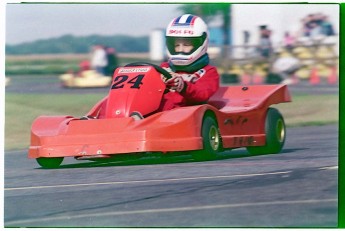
(212, 140)
(275, 134)
(53, 162)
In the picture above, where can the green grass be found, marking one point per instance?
(22, 109)
(305, 110)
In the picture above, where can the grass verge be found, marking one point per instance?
(306, 110)
(22, 109)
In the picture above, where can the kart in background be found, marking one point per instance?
(236, 116)
(85, 79)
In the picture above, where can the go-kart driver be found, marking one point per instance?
(194, 80)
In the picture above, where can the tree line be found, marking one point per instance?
(80, 45)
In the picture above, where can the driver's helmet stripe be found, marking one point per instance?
(185, 20)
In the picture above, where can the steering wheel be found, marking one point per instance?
(158, 68)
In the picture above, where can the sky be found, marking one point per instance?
(28, 22)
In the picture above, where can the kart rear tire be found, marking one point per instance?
(275, 134)
(53, 162)
(212, 140)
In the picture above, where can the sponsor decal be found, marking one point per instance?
(180, 32)
(244, 141)
(134, 70)
(201, 72)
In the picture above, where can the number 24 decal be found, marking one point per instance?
(121, 80)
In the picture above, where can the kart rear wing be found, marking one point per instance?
(234, 98)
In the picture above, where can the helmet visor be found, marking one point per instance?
(196, 42)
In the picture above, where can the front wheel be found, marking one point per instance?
(275, 134)
(212, 141)
(53, 162)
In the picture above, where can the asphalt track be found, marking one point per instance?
(296, 188)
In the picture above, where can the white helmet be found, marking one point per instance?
(190, 27)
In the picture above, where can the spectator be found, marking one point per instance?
(315, 30)
(246, 37)
(265, 45)
(99, 59)
(112, 61)
(306, 25)
(326, 27)
(315, 25)
(289, 41)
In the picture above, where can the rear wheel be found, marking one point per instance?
(275, 134)
(212, 141)
(53, 162)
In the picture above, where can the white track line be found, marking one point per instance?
(157, 180)
(164, 210)
(145, 181)
(329, 168)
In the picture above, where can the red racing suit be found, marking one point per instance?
(200, 86)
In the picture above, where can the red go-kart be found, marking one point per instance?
(236, 116)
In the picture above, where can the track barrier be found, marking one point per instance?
(314, 77)
(332, 78)
(257, 79)
(245, 79)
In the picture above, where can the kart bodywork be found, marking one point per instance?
(236, 116)
(85, 79)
